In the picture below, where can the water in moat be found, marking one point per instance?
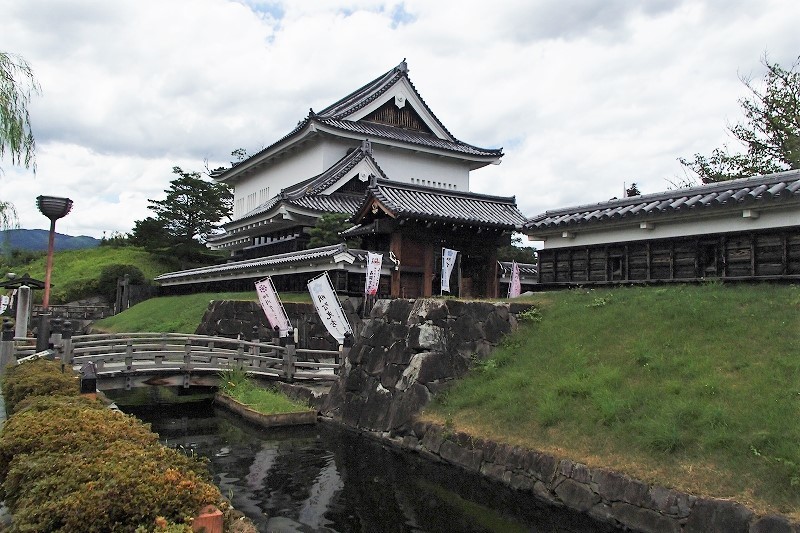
(325, 478)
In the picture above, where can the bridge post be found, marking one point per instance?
(344, 349)
(55, 335)
(65, 348)
(187, 356)
(255, 350)
(129, 355)
(7, 355)
(289, 357)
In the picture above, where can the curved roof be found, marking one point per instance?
(414, 201)
(337, 117)
(757, 191)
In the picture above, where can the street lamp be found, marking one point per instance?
(53, 208)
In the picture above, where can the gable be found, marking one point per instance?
(355, 180)
(405, 117)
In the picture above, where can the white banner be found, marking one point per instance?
(374, 262)
(514, 288)
(4, 303)
(328, 307)
(272, 306)
(448, 260)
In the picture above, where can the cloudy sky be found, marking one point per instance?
(584, 96)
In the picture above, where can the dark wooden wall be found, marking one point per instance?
(752, 255)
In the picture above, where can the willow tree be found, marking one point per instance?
(17, 85)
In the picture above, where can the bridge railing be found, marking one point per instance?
(114, 354)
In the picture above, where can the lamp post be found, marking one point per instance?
(53, 208)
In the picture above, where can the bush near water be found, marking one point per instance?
(67, 463)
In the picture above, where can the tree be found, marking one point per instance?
(193, 206)
(17, 85)
(327, 229)
(190, 211)
(516, 251)
(770, 132)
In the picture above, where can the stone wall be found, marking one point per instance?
(236, 319)
(408, 351)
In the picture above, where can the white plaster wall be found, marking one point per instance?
(405, 166)
(287, 171)
(689, 226)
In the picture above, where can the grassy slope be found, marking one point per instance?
(175, 314)
(694, 387)
(73, 267)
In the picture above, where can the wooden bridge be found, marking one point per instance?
(129, 360)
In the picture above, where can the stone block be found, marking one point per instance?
(391, 375)
(613, 486)
(426, 337)
(374, 361)
(522, 482)
(356, 381)
(399, 310)
(465, 329)
(428, 309)
(502, 311)
(351, 409)
(406, 405)
(375, 409)
(229, 327)
(718, 516)
(644, 520)
(438, 366)
(541, 465)
(381, 308)
(668, 501)
(577, 496)
(581, 473)
(376, 333)
(411, 372)
(433, 439)
(495, 328)
(453, 453)
(773, 524)
(493, 470)
(542, 492)
(399, 353)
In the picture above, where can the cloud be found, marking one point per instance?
(583, 96)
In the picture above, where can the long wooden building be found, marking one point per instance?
(745, 229)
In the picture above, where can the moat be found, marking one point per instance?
(324, 478)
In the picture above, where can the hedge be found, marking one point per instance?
(67, 463)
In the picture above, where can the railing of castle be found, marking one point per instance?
(163, 353)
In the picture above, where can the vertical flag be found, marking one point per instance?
(374, 262)
(4, 303)
(448, 260)
(272, 306)
(514, 288)
(328, 307)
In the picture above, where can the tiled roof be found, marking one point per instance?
(255, 265)
(409, 136)
(414, 201)
(335, 115)
(525, 269)
(755, 191)
(306, 193)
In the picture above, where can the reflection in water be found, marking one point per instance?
(324, 478)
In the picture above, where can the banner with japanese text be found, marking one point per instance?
(272, 306)
(5, 302)
(374, 262)
(328, 307)
(515, 287)
(448, 261)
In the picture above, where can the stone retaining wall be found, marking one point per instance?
(236, 319)
(408, 351)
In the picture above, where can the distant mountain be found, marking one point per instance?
(36, 239)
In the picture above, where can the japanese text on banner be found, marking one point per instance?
(328, 307)
(448, 260)
(272, 306)
(374, 262)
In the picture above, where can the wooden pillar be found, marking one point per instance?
(395, 245)
(492, 283)
(429, 264)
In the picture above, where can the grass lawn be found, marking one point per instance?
(175, 314)
(238, 386)
(693, 387)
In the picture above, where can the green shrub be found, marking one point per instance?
(67, 463)
(114, 489)
(70, 428)
(39, 377)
